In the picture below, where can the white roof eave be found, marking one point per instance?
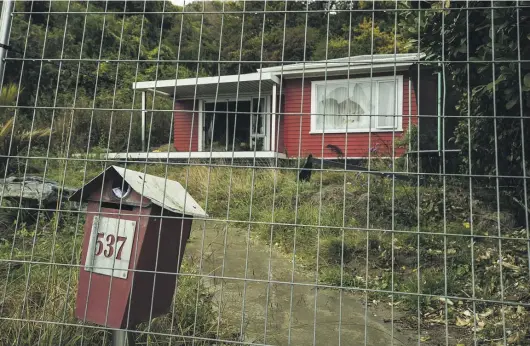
(168, 83)
(341, 70)
(342, 64)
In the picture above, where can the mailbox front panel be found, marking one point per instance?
(103, 291)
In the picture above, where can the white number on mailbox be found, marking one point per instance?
(110, 246)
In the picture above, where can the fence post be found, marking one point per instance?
(122, 338)
(5, 27)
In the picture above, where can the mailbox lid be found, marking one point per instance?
(166, 193)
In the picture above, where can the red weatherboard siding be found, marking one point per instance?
(183, 126)
(296, 140)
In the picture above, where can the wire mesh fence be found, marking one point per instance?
(264, 172)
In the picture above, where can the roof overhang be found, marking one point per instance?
(263, 80)
(343, 71)
(211, 86)
(353, 65)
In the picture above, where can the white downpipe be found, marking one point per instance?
(273, 119)
(144, 111)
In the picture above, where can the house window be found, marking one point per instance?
(339, 106)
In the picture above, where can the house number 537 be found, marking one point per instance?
(110, 244)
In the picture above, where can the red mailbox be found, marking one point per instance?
(130, 256)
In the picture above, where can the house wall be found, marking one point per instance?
(297, 125)
(183, 122)
(295, 106)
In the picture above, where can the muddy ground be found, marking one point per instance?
(279, 313)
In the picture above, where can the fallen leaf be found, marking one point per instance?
(443, 300)
(513, 338)
(436, 321)
(526, 80)
(511, 266)
(460, 322)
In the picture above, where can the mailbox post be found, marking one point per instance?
(135, 233)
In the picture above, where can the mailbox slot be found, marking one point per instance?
(116, 206)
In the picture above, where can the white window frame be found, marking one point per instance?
(341, 82)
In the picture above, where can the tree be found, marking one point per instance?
(364, 40)
(203, 39)
(15, 136)
(493, 88)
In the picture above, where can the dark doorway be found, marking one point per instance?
(227, 126)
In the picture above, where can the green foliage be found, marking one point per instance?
(335, 251)
(493, 89)
(16, 135)
(167, 46)
(364, 40)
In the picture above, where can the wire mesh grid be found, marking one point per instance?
(264, 172)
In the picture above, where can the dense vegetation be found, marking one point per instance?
(482, 49)
(91, 60)
(413, 239)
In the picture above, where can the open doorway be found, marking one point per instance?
(234, 126)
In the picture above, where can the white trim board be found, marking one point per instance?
(371, 61)
(341, 71)
(168, 83)
(197, 155)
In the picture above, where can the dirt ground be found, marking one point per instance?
(279, 313)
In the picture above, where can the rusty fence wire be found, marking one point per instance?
(264, 172)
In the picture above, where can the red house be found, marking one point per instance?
(361, 105)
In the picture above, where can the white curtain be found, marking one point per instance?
(387, 104)
(343, 107)
(361, 96)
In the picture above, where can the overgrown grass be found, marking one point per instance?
(39, 286)
(364, 232)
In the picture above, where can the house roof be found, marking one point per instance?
(212, 86)
(359, 64)
(166, 193)
(264, 79)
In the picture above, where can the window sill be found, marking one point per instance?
(319, 132)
